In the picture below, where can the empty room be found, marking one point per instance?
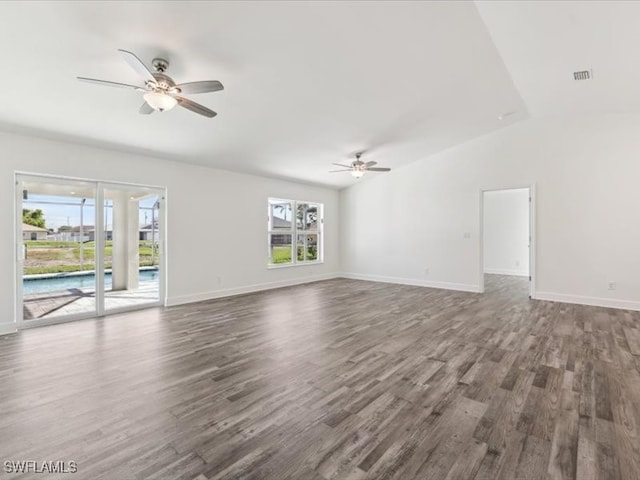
(320, 240)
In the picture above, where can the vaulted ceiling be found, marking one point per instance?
(543, 43)
(309, 83)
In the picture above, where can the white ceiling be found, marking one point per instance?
(542, 43)
(306, 83)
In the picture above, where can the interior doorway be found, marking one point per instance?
(507, 239)
(86, 248)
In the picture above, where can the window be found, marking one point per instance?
(295, 232)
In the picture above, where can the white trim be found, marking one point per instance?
(505, 271)
(532, 240)
(44, 322)
(228, 292)
(481, 242)
(162, 246)
(98, 245)
(462, 287)
(592, 301)
(18, 263)
(275, 266)
(7, 328)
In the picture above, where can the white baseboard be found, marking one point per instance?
(593, 301)
(504, 271)
(228, 292)
(6, 328)
(462, 287)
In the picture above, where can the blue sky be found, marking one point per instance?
(59, 215)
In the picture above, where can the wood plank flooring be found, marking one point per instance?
(340, 379)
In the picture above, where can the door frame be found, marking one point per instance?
(99, 310)
(532, 235)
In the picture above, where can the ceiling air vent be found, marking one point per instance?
(582, 75)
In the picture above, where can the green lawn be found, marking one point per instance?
(44, 256)
(312, 254)
(48, 244)
(283, 254)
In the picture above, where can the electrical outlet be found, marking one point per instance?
(426, 271)
(517, 263)
(466, 235)
(612, 285)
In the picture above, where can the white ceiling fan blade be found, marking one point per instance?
(200, 87)
(341, 165)
(195, 107)
(107, 83)
(370, 164)
(378, 169)
(334, 171)
(135, 63)
(146, 109)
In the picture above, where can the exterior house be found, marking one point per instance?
(72, 234)
(147, 232)
(279, 223)
(284, 238)
(30, 232)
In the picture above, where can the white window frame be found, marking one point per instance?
(294, 232)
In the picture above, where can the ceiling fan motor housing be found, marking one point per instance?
(160, 64)
(165, 82)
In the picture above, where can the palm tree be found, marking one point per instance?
(283, 207)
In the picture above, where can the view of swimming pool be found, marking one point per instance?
(56, 284)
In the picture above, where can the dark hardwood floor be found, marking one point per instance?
(340, 379)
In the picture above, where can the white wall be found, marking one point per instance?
(230, 210)
(506, 232)
(418, 224)
(586, 171)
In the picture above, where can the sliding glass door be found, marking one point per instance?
(131, 257)
(86, 248)
(56, 228)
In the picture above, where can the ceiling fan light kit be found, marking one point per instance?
(160, 101)
(161, 92)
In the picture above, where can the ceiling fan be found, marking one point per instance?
(161, 92)
(358, 168)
